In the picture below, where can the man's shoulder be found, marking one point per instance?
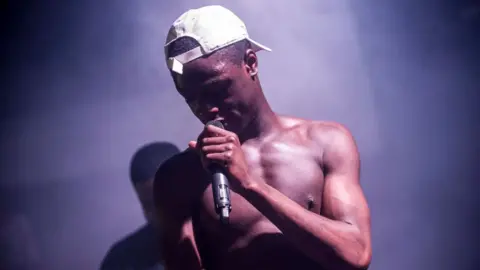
(327, 139)
(320, 131)
(328, 130)
(120, 252)
(137, 248)
(117, 251)
(335, 143)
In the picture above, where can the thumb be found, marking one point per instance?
(192, 145)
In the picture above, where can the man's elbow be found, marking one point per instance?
(359, 255)
(364, 259)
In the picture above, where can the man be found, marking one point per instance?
(139, 251)
(296, 197)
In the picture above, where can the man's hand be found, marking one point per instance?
(223, 147)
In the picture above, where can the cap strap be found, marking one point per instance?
(176, 63)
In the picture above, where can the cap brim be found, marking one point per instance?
(257, 46)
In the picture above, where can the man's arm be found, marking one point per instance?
(340, 238)
(173, 206)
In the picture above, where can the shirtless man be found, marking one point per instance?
(296, 197)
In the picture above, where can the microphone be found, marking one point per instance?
(220, 189)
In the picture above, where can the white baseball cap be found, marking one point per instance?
(213, 27)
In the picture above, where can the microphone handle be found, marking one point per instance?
(221, 194)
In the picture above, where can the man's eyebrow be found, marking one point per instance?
(205, 75)
(216, 81)
(201, 74)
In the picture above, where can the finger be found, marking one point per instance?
(219, 140)
(192, 144)
(217, 148)
(215, 140)
(217, 130)
(223, 158)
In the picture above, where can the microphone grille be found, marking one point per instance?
(216, 123)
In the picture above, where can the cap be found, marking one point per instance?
(213, 27)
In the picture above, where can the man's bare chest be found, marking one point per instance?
(289, 168)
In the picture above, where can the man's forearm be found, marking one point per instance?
(311, 233)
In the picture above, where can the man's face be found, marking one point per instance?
(144, 191)
(215, 88)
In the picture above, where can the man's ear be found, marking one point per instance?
(251, 62)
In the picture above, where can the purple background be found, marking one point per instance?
(86, 85)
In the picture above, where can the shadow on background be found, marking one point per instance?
(140, 249)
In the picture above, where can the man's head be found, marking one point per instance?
(143, 166)
(214, 65)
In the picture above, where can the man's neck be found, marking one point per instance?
(263, 123)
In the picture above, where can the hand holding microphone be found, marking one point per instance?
(223, 156)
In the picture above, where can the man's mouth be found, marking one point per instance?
(222, 119)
